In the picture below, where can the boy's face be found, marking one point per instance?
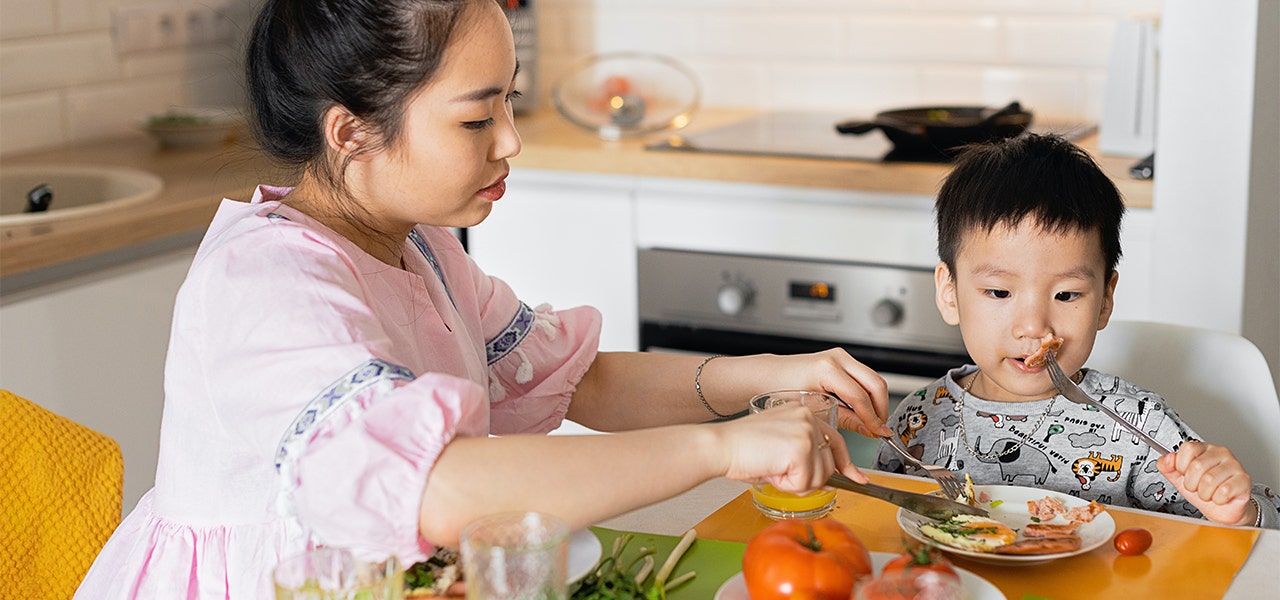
(1013, 286)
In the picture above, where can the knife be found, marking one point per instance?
(932, 507)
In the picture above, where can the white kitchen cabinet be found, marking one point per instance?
(759, 220)
(92, 349)
(567, 240)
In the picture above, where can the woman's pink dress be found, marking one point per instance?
(309, 389)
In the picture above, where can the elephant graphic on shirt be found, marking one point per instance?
(1023, 462)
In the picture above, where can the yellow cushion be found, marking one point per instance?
(60, 489)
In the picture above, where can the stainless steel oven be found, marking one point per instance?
(734, 304)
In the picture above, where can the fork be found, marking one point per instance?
(951, 486)
(1072, 392)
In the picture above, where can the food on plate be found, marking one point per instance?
(967, 495)
(1049, 530)
(817, 559)
(1045, 509)
(970, 532)
(1053, 545)
(906, 585)
(620, 577)
(1084, 514)
(1048, 509)
(1132, 541)
(920, 559)
(1048, 343)
(438, 576)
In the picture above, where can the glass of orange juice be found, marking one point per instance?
(777, 504)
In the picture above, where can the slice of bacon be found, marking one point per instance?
(1047, 343)
(1084, 514)
(1046, 509)
(1041, 546)
(1045, 530)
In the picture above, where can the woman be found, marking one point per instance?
(337, 361)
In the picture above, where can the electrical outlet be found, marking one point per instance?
(165, 26)
(208, 23)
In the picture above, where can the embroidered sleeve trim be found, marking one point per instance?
(511, 336)
(352, 384)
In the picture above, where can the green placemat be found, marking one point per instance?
(714, 561)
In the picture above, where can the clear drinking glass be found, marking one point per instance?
(336, 574)
(777, 504)
(516, 556)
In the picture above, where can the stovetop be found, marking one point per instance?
(813, 135)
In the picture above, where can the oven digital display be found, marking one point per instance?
(813, 290)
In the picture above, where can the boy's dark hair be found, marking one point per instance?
(1044, 177)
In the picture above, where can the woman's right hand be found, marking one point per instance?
(787, 448)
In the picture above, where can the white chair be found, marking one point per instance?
(1219, 383)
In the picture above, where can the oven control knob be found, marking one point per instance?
(733, 298)
(887, 313)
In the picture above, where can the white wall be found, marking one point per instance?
(1217, 193)
(62, 81)
(859, 56)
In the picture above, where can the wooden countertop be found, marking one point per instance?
(552, 143)
(195, 180)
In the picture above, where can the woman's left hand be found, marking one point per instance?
(863, 392)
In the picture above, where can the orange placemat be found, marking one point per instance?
(1187, 559)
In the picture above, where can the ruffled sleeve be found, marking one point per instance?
(359, 480)
(533, 377)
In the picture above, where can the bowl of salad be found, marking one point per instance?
(194, 127)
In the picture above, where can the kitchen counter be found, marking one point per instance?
(552, 143)
(195, 180)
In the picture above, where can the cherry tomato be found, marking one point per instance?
(920, 559)
(1133, 541)
(816, 559)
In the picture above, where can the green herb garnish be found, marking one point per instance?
(618, 579)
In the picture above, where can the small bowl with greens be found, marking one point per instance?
(194, 127)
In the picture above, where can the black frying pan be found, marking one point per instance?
(940, 129)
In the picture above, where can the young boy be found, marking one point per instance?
(1029, 238)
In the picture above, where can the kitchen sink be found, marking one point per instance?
(66, 191)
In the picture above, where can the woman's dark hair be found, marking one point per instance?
(1044, 177)
(369, 56)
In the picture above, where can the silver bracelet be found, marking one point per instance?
(697, 384)
(1257, 521)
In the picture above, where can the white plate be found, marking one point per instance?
(584, 554)
(1012, 511)
(976, 587)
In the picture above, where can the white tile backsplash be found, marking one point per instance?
(95, 112)
(62, 82)
(861, 55)
(791, 35)
(25, 18)
(911, 39)
(31, 121)
(850, 55)
(53, 62)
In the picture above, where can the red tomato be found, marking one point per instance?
(920, 559)
(1132, 541)
(817, 559)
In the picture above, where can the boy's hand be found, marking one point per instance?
(1211, 479)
